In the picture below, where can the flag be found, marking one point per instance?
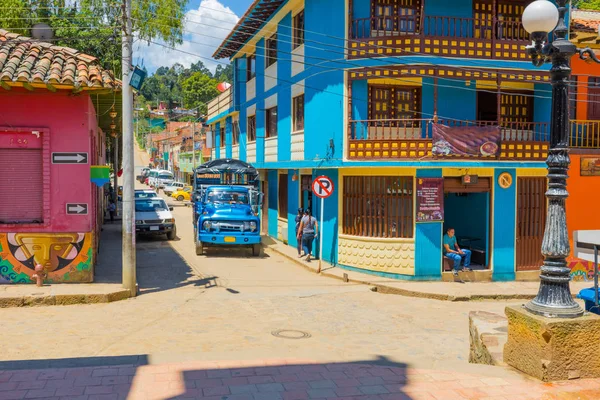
(100, 175)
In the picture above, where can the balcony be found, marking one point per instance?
(497, 38)
(585, 135)
(413, 139)
(220, 104)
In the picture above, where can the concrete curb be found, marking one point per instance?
(63, 299)
(385, 289)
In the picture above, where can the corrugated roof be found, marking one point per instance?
(250, 23)
(30, 62)
(585, 20)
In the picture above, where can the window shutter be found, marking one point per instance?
(21, 186)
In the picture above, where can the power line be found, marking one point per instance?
(310, 87)
(404, 80)
(348, 49)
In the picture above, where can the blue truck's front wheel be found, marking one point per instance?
(199, 247)
(257, 250)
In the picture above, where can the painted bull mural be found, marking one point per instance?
(66, 257)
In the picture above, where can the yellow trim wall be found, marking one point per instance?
(393, 256)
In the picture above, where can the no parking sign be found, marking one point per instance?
(322, 187)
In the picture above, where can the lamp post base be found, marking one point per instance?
(570, 311)
(554, 349)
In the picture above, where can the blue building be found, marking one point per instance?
(391, 99)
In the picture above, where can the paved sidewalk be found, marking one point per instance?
(278, 380)
(449, 291)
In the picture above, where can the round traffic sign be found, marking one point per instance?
(322, 187)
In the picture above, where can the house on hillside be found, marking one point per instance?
(425, 114)
(57, 107)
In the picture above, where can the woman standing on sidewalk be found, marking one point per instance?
(298, 221)
(308, 231)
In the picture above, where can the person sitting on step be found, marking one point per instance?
(455, 253)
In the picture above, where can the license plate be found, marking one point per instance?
(229, 239)
(154, 228)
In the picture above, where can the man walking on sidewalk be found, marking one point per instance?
(112, 208)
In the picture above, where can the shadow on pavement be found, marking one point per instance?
(132, 377)
(159, 266)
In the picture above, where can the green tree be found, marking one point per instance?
(94, 26)
(224, 74)
(15, 16)
(198, 90)
(587, 4)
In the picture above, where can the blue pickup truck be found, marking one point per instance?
(226, 202)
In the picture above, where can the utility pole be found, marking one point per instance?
(116, 170)
(129, 262)
(193, 146)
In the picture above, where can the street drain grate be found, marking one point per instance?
(290, 334)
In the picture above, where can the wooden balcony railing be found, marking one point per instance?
(585, 134)
(220, 104)
(437, 26)
(390, 129)
(460, 37)
(412, 138)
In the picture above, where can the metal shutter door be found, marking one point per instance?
(21, 188)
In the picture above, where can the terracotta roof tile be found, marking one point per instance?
(23, 59)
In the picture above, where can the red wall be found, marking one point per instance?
(70, 121)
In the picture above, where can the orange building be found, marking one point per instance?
(584, 175)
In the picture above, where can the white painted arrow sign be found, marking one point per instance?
(69, 158)
(77, 208)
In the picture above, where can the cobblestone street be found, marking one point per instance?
(230, 326)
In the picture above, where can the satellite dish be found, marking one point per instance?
(42, 32)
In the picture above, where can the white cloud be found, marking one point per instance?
(205, 29)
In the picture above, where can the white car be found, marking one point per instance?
(145, 193)
(154, 174)
(173, 187)
(154, 217)
(164, 179)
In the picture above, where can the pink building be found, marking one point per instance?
(55, 104)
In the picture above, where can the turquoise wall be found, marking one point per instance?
(260, 102)
(329, 231)
(360, 107)
(455, 100)
(428, 240)
(444, 8)
(217, 143)
(542, 109)
(284, 95)
(293, 205)
(505, 203)
(240, 105)
(324, 90)
(273, 200)
(228, 136)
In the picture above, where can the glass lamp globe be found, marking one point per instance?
(540, 16)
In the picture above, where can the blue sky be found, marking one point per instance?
(237, 6)
(208, 22)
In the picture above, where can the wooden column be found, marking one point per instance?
(499, 98)
(435, 99)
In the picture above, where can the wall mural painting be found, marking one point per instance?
(581, 270)
(66, 257)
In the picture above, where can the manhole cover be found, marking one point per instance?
(290, 334)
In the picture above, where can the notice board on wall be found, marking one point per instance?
(430, 199)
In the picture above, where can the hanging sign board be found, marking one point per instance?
(430, 199)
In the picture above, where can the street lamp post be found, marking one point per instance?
(540, 18)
